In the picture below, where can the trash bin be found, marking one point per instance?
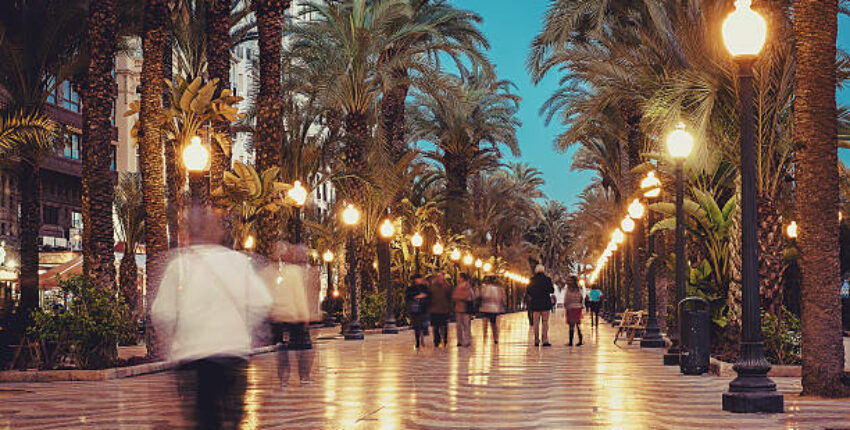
(694, 335)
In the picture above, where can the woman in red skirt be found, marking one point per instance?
(572, 304)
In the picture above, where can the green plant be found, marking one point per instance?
(782, 337)
(90, 329)
(373, 308)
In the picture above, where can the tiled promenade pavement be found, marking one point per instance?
(384, 383)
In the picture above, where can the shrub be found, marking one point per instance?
(782, 337)
(90, 329)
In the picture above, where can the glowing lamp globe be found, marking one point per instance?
(328, 256)
(582, 282)
(335, 293)
(196, 156)
(636, 209)
(744, 30)
(249, 242)
(468, 259)
(680, 142)
(478, 263)
(650, 185)
(298, 194)
(618, 236)
(791, 230)
(417, 240)
(350, 215)
(387, 229)
(488, 267)
(437, 249)
(628, 225)
(455, 255)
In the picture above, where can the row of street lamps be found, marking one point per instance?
(744, 33)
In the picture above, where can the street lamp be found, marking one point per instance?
(437, 250)
(387, 232)
(791, 230)
(744, 33)
(679, 144)
(350, 217)
(249, 243)
(478, 265)
(298, 194)
(651, 187)
(455, 257)
(467, 261)
(196, 159)
(488, 267)
(328, 257)
(416, 240)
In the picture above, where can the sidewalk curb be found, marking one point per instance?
(9, 376)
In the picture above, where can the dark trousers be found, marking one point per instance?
(574, 327)
(212, 390)
(420, 326)
(594, 313)
(441, 328)
(293, 339)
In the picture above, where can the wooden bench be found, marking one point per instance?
(632, 324)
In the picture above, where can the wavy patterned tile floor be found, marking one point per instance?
(383, 382)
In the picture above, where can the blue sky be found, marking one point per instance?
(510, 30)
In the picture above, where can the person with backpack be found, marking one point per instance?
(418, 299)
(594, 298)
(464, 298)
(540, 292)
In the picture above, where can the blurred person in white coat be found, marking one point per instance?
(208, 306)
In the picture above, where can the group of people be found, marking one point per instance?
(430, 302)
(540, 297)
(215, 304)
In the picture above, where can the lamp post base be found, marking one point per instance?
(354, 332)
(389, 327)
(751, 402)
(671, 357)
(652, 342)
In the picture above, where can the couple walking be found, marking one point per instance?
(540, 300)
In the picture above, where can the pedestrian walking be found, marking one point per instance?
(209, 304)
(572, 304)
(417, 297)
(540, 291)
(464, 297)
(492, 305)
(595, 299)
(440, 307)
(286, 276)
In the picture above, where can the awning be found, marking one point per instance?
(50, 279)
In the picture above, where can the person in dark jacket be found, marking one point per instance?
(540, 292)
(418, 299)
(441, 302)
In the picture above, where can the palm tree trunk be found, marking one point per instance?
(128, 280)
(97, 178)
(29, 188)
(772, 263)
(392, 114)
(457, 173)
(268, 137)
(174, 181)
(218, 67)
(151, 154)
(817, 196)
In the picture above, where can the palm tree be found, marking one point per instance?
(218, 67)
(817, 196)
(17, 129)
(40, 41)
(267, 139)
(130, 211)
(151, 155)
(467, 119)
(97, 189)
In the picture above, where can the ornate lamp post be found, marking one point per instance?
(298, 194)
(328, 258)
(478, 265)
(636, 213)
(196, 159)
(416, 240)
(455, 257)
(437, 250)
(467, 261)
(629, 260)
(617, 239)
(651, 187)
(744, 33)
(387, 232)
(679, 144)
(350, 217)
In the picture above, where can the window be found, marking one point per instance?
(113, 156)
(71, 150)
(53, 95)
(51, 215)
(70, 98)
(76, 220)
